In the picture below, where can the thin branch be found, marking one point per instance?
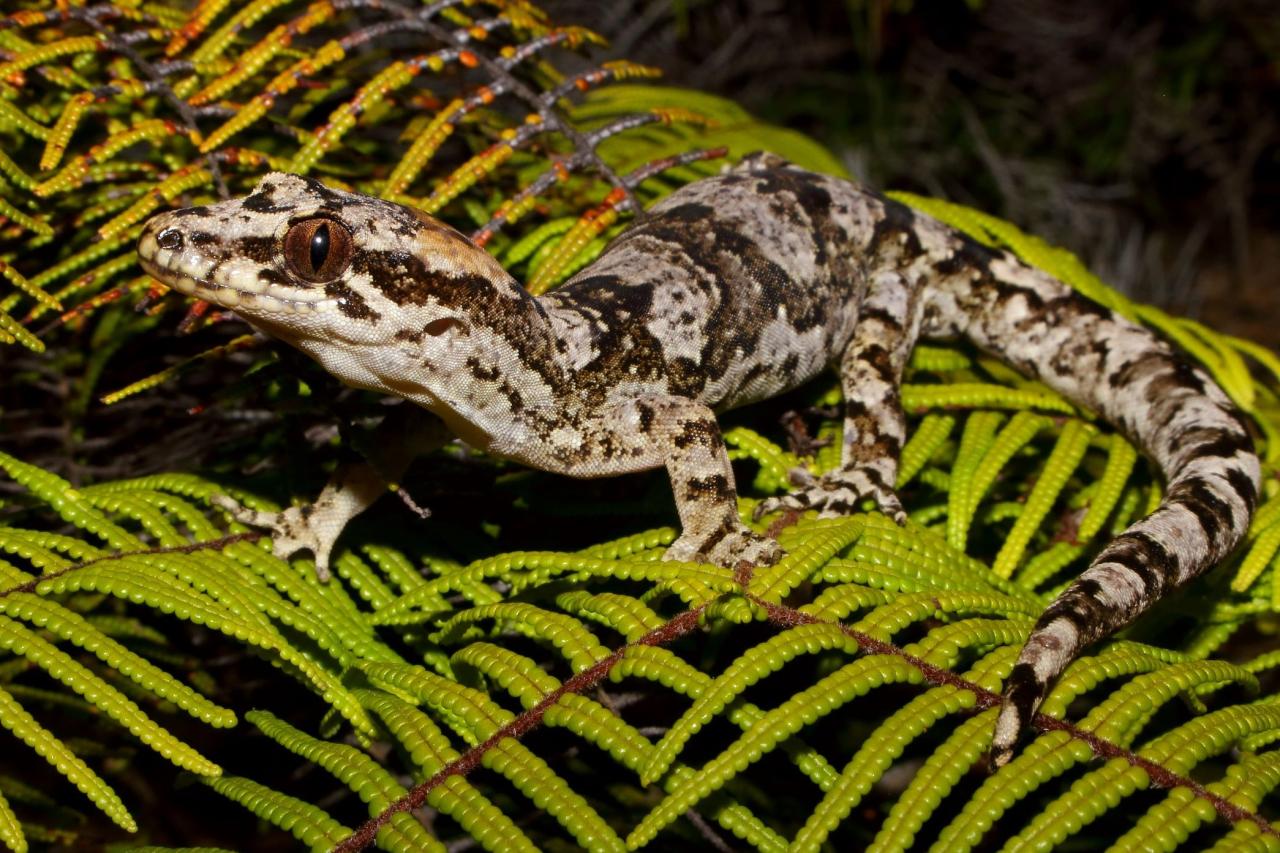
(514, 85)
(183, 109)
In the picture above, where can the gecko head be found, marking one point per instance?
(331, 271)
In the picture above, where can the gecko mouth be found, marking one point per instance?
(230, 286)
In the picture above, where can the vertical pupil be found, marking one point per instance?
(319, 246)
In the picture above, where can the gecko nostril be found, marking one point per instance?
(169, 238)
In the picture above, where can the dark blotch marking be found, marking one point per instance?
(260, 202)
(260, 250)
(1211, 511)
(879, 315)
(199, 211)
(645, 412)
(1133, 369)
(694, 433)
(880, 359)
(1244, 487)
(269, 275)
(1072, 306)
(717, 535)
(515, 402)
(1089, 587)
(351, 303)
(898, 221)
(616, 312)
(716, 487)
(483, 372)
(1023, 690)
(1220, 443)
(1146, 557)
(441, 325)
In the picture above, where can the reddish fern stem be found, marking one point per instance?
(528, 721)
(640, 174)
(561, 169)
(550, 115)
(1162, 777)
(785, 617)
(160, 84)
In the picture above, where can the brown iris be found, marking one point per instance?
(318, 249)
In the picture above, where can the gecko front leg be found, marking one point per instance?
(874, 425)
(403, 435)
(682, 435)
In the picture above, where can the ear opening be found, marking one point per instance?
(439, 327)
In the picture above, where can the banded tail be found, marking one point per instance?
(1172, 410)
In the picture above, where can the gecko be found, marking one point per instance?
(730, 290)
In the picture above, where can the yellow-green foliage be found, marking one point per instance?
(838, 700)
(141, 110)
(352, 642)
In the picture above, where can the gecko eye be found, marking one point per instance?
(318, 249)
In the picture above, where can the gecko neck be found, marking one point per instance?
(497, 376)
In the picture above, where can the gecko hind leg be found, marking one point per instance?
(874, 425)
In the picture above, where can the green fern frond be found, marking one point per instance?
(1170, 822)
(756, 664)
(17, 639)
(483, 821)
(481, 719)
(1179, 750)
(11, 834)
(367, 779)
(23, 726)
(805, 556)
(888, 742)
(824, 697)
(68, 503)
(1118, 719)
(1068, 452)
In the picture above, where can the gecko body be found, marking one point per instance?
(730, 290)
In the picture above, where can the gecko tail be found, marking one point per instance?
(1172, 410)
(1134, 571)
(1128, 577)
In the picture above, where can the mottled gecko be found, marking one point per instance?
(730, 290)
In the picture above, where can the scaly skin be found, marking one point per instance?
(733, 289)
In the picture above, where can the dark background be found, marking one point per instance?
(1141, 135)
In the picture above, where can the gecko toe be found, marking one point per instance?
(740, 545)
(290, 530)
(242, 513)
(795, 502)
(836, 494)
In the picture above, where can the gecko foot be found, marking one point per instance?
(730, 549)
(297, 528)
(835, 494)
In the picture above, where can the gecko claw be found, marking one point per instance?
(291, 530)
(834, 494)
